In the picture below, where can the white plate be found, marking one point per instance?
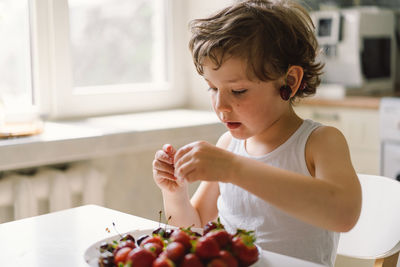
(92, 253)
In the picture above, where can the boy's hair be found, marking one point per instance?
(269, 35)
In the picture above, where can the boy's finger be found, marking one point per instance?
(163, 156)
(182, 151)
(169, 149)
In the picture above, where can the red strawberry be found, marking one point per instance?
(244, 249)
(228, 258)
(123, 244)
(181, 237)
(154, 248)
(153, 239)
(163, 262)
(223, 238)
(191, 260)
(121, 255)
(212, 225)
(206, 248)
(140, 257)
(175, 251)
(217, 263)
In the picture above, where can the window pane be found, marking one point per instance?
(117, 42)
(15, 55)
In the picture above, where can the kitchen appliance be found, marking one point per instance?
(390, 137)
(358, 48)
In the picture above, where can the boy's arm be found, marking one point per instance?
(331, 199)
(202, 208)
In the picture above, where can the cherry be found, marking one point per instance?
(106, 259)
(106, 247)
(209, 226)
(126, 237)
(141, 238)
(168, 233)
(159, 231)
(212, 225)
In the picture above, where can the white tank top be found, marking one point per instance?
(276, 230)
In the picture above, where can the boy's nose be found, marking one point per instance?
(221, 103)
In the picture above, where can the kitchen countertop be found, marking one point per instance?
(347, 101)
(68, 141)
(366, 102)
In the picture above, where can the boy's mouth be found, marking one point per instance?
(233, 125)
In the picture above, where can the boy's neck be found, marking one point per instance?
(276, 136)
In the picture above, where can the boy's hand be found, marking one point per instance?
(203, 161)
(163, 169)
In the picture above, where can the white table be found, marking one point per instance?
(61, 238)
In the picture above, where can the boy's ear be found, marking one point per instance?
(294, 78)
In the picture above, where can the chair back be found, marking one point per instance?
(377, 232)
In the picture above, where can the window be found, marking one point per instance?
(95, 57)
(15, 54)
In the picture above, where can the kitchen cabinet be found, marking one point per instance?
(358, 125)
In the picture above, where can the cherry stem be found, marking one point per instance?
(159, 219)
(115, 228)
(169, 218)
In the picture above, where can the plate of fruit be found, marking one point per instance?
(178, 247)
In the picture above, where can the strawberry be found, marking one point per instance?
(182, 237)
(140, 257)
(163, 262)
(228, 258)
(206, 248)
(217, 263)
(123, 244)
(223, 238)
(153, 239)
(191, 260)
(121, 255)
(175, 251)
(154, 248)
(244, 248)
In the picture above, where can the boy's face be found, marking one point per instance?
(248, 108)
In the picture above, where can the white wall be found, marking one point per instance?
(199, 97)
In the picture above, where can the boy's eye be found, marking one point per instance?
(212, 89)
(238, 92)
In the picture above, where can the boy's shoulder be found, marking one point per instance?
(224, 140)
(325, 131)
(326, 137)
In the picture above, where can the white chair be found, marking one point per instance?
(377, 233)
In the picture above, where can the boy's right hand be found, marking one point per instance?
(163, 169)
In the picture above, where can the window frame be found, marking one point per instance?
(52, 75)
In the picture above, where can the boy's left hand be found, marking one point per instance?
(203, 161)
